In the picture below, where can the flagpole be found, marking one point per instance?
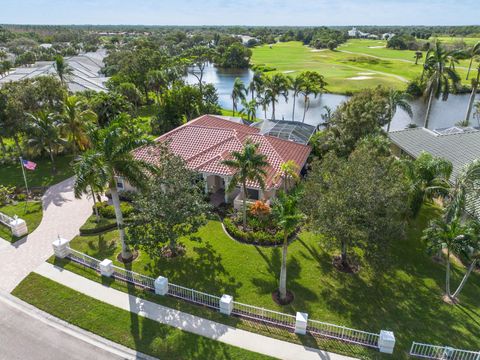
(25, 179)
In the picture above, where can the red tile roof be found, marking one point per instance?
(206, 141)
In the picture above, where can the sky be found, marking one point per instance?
(241, 12)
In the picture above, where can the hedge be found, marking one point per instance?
(252, 237)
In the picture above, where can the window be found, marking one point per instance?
(253, 194)
(120, 184)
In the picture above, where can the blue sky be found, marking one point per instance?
(241, 12)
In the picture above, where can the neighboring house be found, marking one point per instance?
(354, 32)
(387, 36)
(208, 140)
(85, 72)
(460, 146)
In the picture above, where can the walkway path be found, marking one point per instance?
(227, 334)
(62, 216)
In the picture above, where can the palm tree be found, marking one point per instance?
(256, 84)
(474, 51)
(472, 252)
(397, 99)
(418, 56)
(451, 236)
(249, 108)
(62, 68)
(111, 157)
(248, 165)
(289, 217)
(475, 83)
(313, 83)
(288, 174)
(44, 134)
(276, 86)
(238, 93)
(157, 82)
(296, 84)
(440, 77)
(73, 123)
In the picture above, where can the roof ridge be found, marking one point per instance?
(210, 147)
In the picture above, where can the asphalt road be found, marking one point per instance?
(26, 337)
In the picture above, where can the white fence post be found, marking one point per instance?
(161, 285)
(106, 268)
(386, 341)
(60, 248)
(18, 227)
(226, 304)
(301, 323)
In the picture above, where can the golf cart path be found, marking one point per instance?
(62, 216)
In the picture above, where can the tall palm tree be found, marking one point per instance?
(472, 253)
(288, 174)
(248, 165)
(62, 68)
(450, 236)
(110, 157)
(276, 86)
(441, 78)
(256, 84)
(473, 52)
(238, 93)
(296, 86)
(43, 134)
(475, 84)
(398, 99)
(289, 217)
(313, 83)
(157, 82)
(249, 108)
(73, 123)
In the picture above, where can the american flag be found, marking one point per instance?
(29, 165)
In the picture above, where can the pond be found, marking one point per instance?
(444, 113)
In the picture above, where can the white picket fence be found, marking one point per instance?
(428, 351)
(5, 219)
(266, 316)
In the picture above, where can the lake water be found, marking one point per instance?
(443, 114)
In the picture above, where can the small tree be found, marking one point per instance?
(173, 206)
(285, 209)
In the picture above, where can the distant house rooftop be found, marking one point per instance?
(460, 146)
(85, 72)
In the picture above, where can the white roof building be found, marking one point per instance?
(85, 72)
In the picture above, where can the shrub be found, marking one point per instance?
(252, 237)
(21, 197)
(260, 209)
(5, 193)
(108, 211)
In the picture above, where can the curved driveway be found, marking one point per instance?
(62, 216)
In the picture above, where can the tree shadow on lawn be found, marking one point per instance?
(303, 295)
(204, 272)
(103, 248)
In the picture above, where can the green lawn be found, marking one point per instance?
(355, 65)
(450, 39)
(11, 175)
(121, 326)
(32, 214)
(404, 296)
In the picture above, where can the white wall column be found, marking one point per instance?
(226, 304)
(386, 342)
(227, 194)
(161, 285)
(60, 248)
(301, 323)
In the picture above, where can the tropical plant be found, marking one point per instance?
(451, 236)
(440, 78)
(111, 157)
(73, 123)
(256, 84)
(398, 99)
(473, 52)
(248, 165)
(313, 83)
(296, 84)
(288, 174)
(286, 211)
(276, 86)
(475, 84)
(44, 135)
(64, 71)
(238, 93)
(425, 174)
(157, 82)
(249, 108)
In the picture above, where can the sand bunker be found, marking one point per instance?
(366, 73)
(376, 47)
(360, 78)
(317, 50)
(288, 71)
